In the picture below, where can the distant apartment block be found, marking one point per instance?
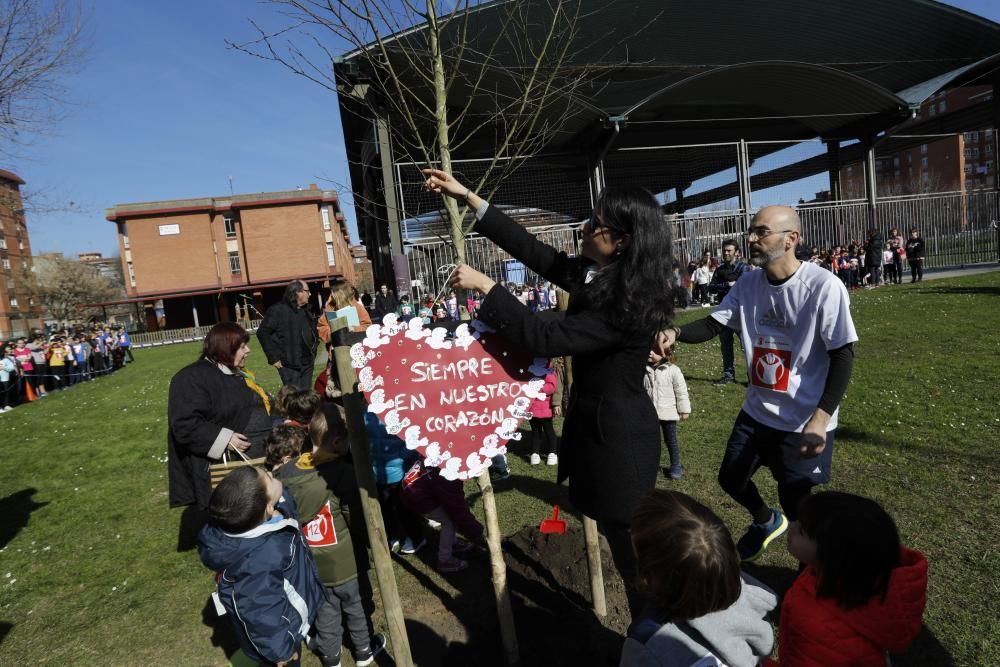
(19, 315)
(189, 262)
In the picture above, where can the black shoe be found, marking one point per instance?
(725, 379)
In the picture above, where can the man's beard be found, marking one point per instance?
(761, 258)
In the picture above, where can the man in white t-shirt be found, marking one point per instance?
(795, 324)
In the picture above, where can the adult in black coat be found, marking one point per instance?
(385, 303)
(287, 334)
(213, 406)
(873, 257)
(619, 300)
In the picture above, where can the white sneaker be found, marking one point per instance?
(433, 524)
(552, 459)
(535, 459)
(8, 409)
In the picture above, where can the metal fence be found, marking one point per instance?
(959, 226)
(171, 336)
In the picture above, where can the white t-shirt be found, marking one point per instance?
(787, 331)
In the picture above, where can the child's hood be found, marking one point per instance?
(740, 634)
(895, 623)
(221, 550)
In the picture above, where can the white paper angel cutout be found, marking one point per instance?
(432, 454)
(450, 469)
(438, 340)
(393, 423)
(519, 408)
(475, 464)
(377, 402)
(415, 329)
(375, 337)
(367, 380)
(359, 356)
(413, 439)
(391, 325)
(534, 389)
(508, 429)
(463, 338)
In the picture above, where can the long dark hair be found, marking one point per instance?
(291, 295)
(857, 546)
(635, 287)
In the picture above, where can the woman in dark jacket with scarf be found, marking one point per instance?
(619, 300)
(213, 405)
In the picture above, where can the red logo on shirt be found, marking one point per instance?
(320, 531)
(770, 368)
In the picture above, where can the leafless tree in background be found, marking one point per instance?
(423, 76)
(40, 44)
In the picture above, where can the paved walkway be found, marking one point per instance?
(971, 270)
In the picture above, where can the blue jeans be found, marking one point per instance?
(670, 438)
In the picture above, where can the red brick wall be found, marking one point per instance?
(283, 241)
(172, 262)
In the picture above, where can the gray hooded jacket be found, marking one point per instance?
(735, 637)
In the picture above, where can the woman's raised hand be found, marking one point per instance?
(444, 183)
(466, 277)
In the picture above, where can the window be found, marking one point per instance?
(941, 106)
(325, 211)
(131, 274)
(234, 262)
(923, 162)
(24, 264)
(5, 264)
(968, 168)
(932, 109)
(124, 233)
(923, 149)
(230, 223)
(3, 244)
(20, 244)
(850, 171)
(895, 161)
(13, 302)
(329, 253)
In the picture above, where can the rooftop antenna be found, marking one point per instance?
(230, 186)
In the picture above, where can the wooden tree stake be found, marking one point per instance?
(508, 634)
(594, 564)
(355, 406)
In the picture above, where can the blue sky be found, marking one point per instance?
(162, 110)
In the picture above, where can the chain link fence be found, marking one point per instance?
(942, 185)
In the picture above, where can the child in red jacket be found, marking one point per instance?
(861, 594)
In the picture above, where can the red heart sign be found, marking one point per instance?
(456, 401)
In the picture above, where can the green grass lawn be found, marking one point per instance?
(90, 574)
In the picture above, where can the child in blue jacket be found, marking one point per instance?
(267, 580)
(390, 460)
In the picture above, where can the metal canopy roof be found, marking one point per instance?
(722, 70)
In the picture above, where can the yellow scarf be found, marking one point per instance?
(251, 382)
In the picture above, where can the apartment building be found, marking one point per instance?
(191, 262)
(19, 315)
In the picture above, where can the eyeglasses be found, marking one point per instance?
(757, 233)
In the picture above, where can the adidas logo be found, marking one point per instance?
(773, 318)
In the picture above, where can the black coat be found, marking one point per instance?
(610, 449)
(385, 305)
(201, 403)
(288, 335)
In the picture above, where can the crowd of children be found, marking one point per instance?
(859, 593)
(31, 368)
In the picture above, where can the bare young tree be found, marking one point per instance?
(439, 78)
(66, 289)
(40, 44)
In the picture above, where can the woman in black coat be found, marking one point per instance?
(213, 405)
(619, 300)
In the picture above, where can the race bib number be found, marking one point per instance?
(320, 531)
(771, 365)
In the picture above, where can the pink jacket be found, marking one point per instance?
(541, 408)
